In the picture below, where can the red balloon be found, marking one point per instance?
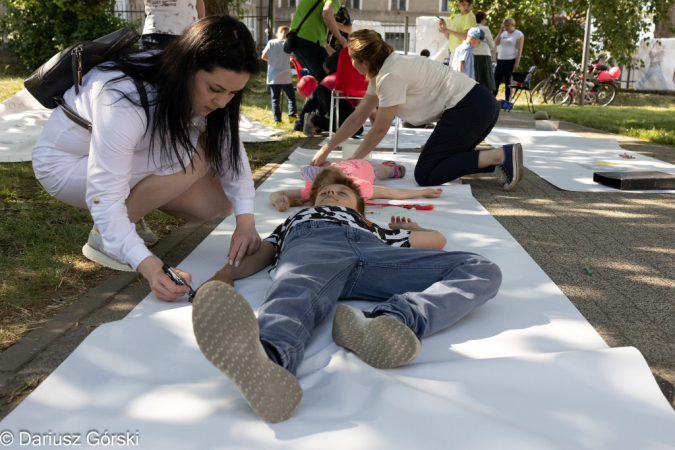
(615, 72)
(306, 85)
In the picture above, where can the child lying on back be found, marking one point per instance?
(363, 173)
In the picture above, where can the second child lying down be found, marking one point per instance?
(364, 173)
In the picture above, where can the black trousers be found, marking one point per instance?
(449, 152)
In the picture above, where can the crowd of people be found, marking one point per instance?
(165, 136)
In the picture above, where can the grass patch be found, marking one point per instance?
(42, 269)
(650, 117)
(648, 123)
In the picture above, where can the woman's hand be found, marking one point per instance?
(321, 156)
(245, 239)
(162, 286)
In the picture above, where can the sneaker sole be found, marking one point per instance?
(517, 167)
(382, 342)
(104, 260)
(228, 335)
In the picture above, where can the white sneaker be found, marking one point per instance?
(145, 233)
(382, 342)
(228, 335)
(93, 250)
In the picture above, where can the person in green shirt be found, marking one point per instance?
(310, 47)
(458, 25)
(311, 41)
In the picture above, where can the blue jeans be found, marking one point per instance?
(428, 290)
(275, 89)
(449, 152)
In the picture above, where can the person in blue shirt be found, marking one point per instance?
(462, 57)
(279, 76)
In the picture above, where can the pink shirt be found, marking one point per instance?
(359, 171)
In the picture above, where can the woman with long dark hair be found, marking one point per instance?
(165, 135)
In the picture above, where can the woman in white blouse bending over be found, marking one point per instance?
(508, 58)
(165, 135)
(420, 90)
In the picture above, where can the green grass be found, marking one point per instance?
(650, 117)
(648, 123)
(42, 269)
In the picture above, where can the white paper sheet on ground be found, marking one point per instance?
(408, 138)
(253, 131)
(525, 371)
(22, 119)
(568, 161)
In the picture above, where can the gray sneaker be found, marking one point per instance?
(93, 250)
(308, 125)
(145, 233)
(228, 335)
(382, 342)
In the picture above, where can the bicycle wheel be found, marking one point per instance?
(562, 97)
(606, 92)
(539, 92)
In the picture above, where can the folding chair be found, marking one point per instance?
(349, 84)
(523, 86)
(298, 68)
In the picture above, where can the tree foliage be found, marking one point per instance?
(229, 7)
(38, 29)
(554, 29)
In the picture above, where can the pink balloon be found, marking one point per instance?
(306, 85)
(615, 72)
(604, 76)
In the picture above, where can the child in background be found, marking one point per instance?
(462, 57)
(363, 173)
(279, 76)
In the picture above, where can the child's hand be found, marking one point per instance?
(402, 223)
(282, 203)
(432, 193)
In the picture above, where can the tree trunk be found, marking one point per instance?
(216, 7)
(663, 29)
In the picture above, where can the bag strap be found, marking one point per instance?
(84, 123)
(308, 14)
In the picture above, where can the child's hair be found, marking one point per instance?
(332, 175)
(283, 30)
(426, 53)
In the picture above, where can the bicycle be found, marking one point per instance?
(571, 88)
(599, 93)
(544, 91)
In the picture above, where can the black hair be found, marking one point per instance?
(210, 43)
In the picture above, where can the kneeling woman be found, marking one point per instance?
(164, 136)
(420, 90)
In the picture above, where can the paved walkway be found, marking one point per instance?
(625, 239)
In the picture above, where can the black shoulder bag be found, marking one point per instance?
(65, 69)
(292, 36)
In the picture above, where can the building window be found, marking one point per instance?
(398, 5)
(353, 4)
(445, 6)
(288, 3)
(395, 39)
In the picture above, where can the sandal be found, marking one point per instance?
(399, 171)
